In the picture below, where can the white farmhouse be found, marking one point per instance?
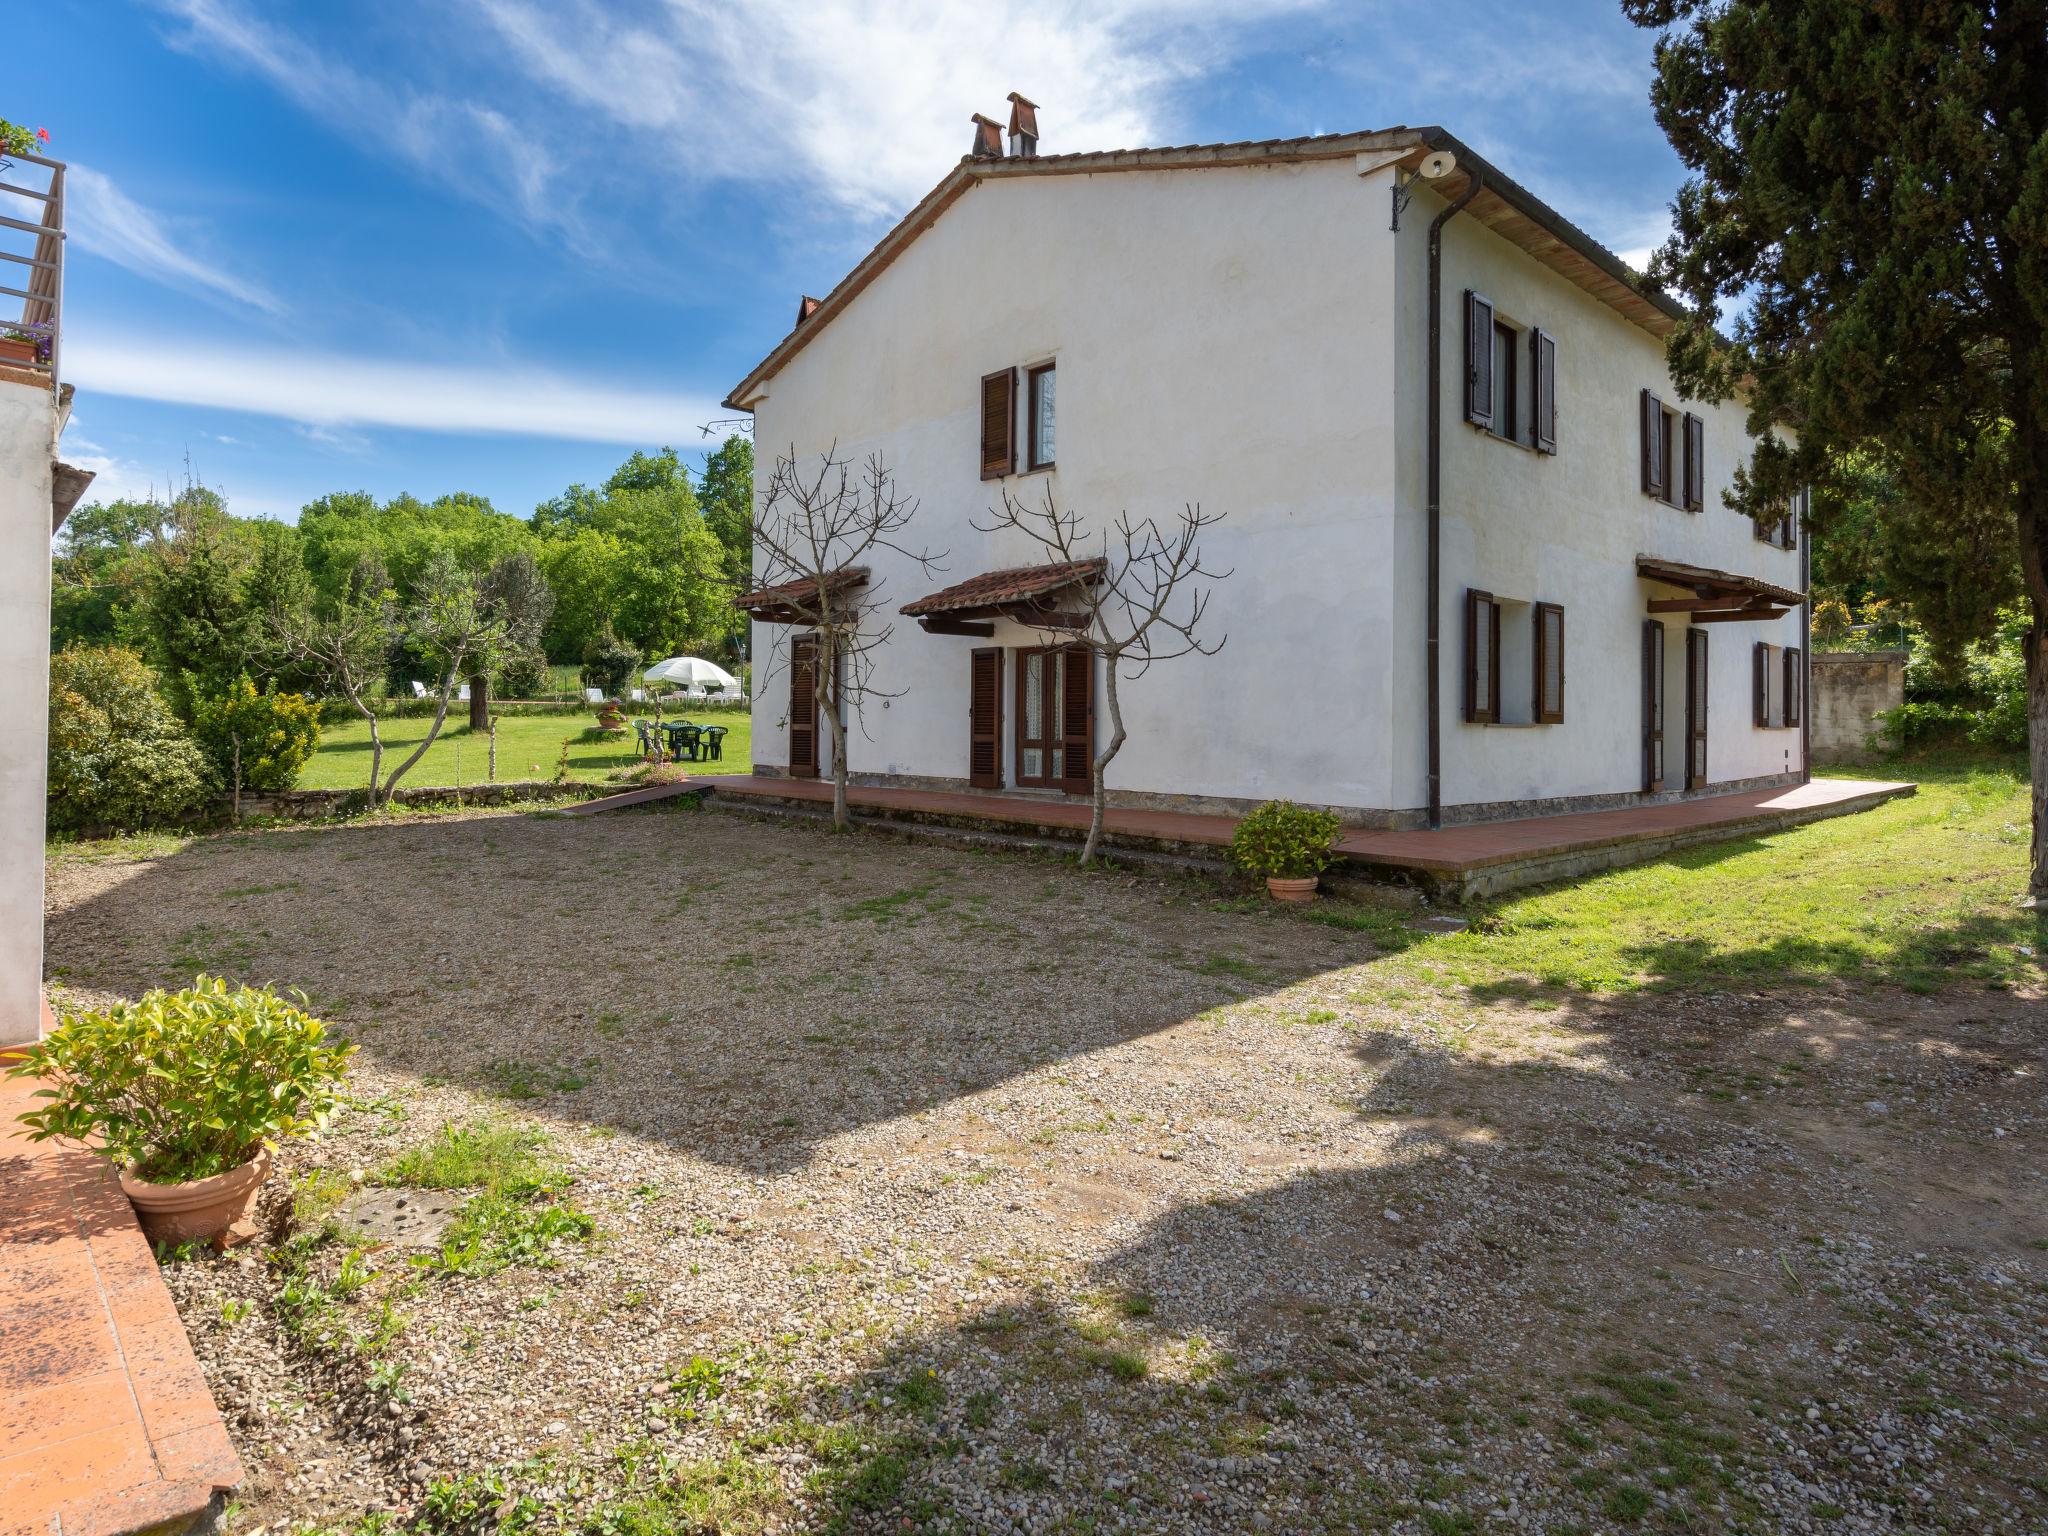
(1481, 563)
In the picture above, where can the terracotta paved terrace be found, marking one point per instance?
(106, 1424)
(1456, 851)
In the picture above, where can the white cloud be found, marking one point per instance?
(865, 104)
(107, 222)
(468, 145)
(331, 390)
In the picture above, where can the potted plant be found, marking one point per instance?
(1286, 844)
(185, 1092)
(24, 341)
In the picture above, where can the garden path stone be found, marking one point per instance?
(405, 1218)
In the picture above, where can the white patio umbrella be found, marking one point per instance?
(688, 671)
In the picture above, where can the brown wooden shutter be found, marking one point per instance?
(1760, 682)
(1482, 657)
(1695, 709)
(1478, 359)
(1543, 380)
(1795, 683)
(1653, 706)
(999, 424)
(803, 708)
(1077, 721)
(985, 717)
(1652, 421)
(1549, 682)
(1695, 463)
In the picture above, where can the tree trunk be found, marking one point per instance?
(830, 703)
(480, 703)
(420, 751)
(1101, 765)
(2035, 646)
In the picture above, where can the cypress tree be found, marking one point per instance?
(1869, 194)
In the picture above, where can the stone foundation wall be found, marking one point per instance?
(1849, 690)
(319, 804)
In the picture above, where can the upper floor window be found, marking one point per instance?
(1674, 454)
(1510, 377)
(1041, 407)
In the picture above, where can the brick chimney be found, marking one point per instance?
(1023, 127)
(988, 138)
(806, 306)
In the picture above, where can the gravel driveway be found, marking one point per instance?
(947, 1191)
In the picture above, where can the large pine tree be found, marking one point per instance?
(1870, 196)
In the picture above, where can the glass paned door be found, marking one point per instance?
(1041, 681)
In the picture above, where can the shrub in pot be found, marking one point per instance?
(185, 1092)
(1286, 845)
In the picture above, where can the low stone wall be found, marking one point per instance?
(1849, 690)
(320, 804)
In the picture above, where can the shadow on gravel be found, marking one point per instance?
(740, 989)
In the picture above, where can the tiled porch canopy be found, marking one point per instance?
(1718, 597)
(1026, 594)
(801, 601)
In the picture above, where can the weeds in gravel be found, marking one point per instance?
(513, 1218)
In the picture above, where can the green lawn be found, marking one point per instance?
(1918, 893)
(529, 747)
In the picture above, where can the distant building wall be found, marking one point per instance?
(28, 433)
(1850, 689)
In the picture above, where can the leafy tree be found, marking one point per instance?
(608, 661)
(99, 568)
(258, 740)
(118, 756)
(515, 595)
(345, 639)
(202, 632)
(1870, 185)
(726, 495)
(455, 625)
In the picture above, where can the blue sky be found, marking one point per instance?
(494, 245)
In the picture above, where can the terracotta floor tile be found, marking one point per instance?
(107, 1461)
(64, 1410)
(67, 1336)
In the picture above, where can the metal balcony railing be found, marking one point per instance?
(36, 246)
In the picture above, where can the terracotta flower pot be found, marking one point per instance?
(16, 351)
(1303, 889)
(201, 1210)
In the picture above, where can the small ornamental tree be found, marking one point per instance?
(1869, 194)
(118, 756)
(257, 740)
(344, 640)
(820, 519)
(1143, 606)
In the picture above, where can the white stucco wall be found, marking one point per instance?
(1219, 341)
(1567, 528)
(27, 435)
(1255, 339)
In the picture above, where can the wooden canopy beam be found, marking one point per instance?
(939, 624)
(1738, 615)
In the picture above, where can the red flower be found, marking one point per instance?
(42, 135)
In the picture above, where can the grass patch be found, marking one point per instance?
(514, 1218)
(529, 747)
(1917, 893)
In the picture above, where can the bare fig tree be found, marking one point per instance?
(1144, 607)
(820, 520)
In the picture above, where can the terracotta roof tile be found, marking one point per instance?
(996, 588)
(788, 594)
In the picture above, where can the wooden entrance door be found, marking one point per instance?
(1695, 709)
(985, 718)
(1055, 718)
(803, 707)
(1653, 706)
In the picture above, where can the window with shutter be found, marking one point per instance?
(1549, 680)
(803, 708)
(1543, 380)
(999, 424)
(1482, 658)
(985, 718)
(1478, 359)
(1760, 683)
(1795, 683)
(1077, 720)
(1653, 444)
(1653, 706)
(1041, 404)
(1695, 463)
